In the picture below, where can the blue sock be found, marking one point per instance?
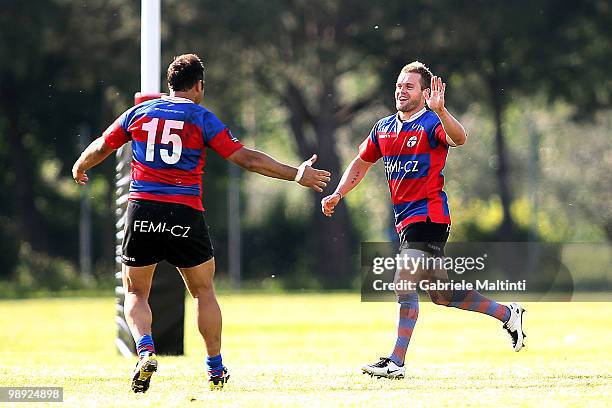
(145, 344)
(214, 365)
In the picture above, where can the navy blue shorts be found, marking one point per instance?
(425, 236)
(157, 231)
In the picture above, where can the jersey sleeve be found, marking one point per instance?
(116, 135)
(440, 135)
(369, 150)
(218, 137)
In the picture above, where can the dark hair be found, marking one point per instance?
(420, 68)
(184, 72)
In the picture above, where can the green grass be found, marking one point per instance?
(306, 350)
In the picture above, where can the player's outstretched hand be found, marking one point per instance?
(308, 176)
(434, 96)
(329, 203)
(79, 176)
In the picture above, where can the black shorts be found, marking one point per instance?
(156, 231)
(425, 236)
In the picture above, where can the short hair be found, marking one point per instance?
(419, 68)
(184, 72)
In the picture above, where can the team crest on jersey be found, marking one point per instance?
(412, 141)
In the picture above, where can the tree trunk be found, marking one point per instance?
(507, 228)
(109, 172)
(29, 221)
(331, 240)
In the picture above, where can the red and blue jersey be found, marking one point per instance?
(169, 139)
(414, 154)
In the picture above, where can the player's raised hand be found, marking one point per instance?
(329, 203)
(79, 176)
(308, 176)
(434, 96)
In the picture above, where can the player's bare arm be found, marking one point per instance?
(95, 153)
(352, 176)
(434, 96)
(259, 162)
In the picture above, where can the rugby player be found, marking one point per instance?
(165, 217)
(413, 144)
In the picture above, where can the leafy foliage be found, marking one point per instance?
(320, 72)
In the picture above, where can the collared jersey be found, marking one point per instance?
(414, 154)
(169, 139)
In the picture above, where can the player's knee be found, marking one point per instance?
(135, 290)
(203, 291)
(439, 298)
(441, 301)
(407, 297)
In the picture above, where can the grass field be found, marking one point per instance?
(306, 350)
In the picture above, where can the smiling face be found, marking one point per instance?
(409, 97)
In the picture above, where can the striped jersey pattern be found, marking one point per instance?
(169, 139)
(414, 155)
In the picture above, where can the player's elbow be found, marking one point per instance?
(101, 148)
(252, 164)
(361, 165)
(244, 158)
(249, 160)
(461, 140)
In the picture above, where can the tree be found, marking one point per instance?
(23, 24)
(299, 52)
(497, 51)
(51, 84)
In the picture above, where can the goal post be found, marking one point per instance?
(167, 297)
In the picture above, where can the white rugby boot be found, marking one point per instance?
(384, 368)
(514, 326)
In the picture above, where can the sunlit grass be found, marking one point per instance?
(306, 350)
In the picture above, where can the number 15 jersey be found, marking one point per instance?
(414, 154)
(169, 139)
